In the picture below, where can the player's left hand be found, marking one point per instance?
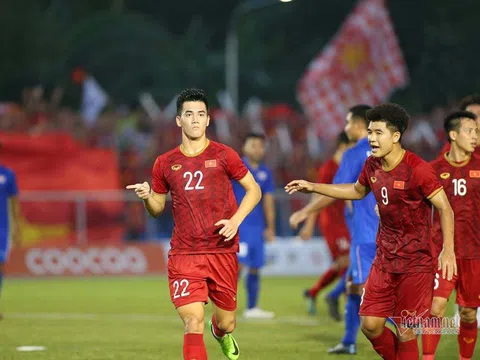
(448, 264)
(269, 235)
(299, 185)
(229, 228)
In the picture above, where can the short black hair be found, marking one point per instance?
(395, 116)
(342, 138)
(360, 112)
(454, 120)
(473, 99)
(191, 95)
(254, 135)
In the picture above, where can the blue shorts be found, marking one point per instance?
(4, 248)
(361, 259)
(252, 248)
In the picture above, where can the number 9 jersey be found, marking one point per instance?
(202, 195)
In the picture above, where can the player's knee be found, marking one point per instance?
(438, 308)
(468, 315)
(193, 323)
(227, 323)
(371, 327)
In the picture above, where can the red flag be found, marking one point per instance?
(363, 64)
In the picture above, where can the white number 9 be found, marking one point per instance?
(384, 192)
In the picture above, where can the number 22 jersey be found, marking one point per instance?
(202, 195)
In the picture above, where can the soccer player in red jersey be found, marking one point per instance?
(469, 103)
(331, 222)
(400, 283)
(459, 173)
(202, 261)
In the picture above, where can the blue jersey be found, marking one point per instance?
(365, 220)
(263, 176)
(8, 188)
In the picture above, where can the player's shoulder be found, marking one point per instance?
(414, 161)
(220, 148)
(439, 161)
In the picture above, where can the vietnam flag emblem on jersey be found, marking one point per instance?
(399, 185)
(210, 163)
(475, 173)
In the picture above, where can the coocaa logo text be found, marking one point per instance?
(76, 261)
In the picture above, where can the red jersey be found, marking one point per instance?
(202, 195)
(405, 231)
(461, 182)
(331, 217)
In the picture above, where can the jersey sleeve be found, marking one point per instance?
(12, 188)
(364, 175)
(427, 180)
(269, 185)
(159, 183)
(348, 171)
(236, 169)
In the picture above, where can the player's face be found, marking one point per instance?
(351, 128)
(381, 138)
(254, 149)
(467, 136)
(193, 119)
(475, 108)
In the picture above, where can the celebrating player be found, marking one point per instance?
(202, 261)
(402, 183)
(258, 226)
(9, 216)
(364, 228)
(459, 173)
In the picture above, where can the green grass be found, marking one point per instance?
(132, 318)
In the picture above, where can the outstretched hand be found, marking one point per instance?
(302, 186)
(143, 191)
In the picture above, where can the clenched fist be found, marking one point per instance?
(143, 191)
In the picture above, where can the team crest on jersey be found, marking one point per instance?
(445, 175)
(373, 179)
(176, 167)
(210, 163)
(399, 185)
(475, 173)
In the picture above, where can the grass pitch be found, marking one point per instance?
(132, 318)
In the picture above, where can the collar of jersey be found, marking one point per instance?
(456, 164)
(197, 153)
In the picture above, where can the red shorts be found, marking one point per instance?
(397, 295)
(466, 283)
(338, 243)
(195, 278)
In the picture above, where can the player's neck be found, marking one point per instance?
(193, 146)
(458, 155)
(393, 158)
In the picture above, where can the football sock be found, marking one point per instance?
(253, 286)
(386, 345)
(407, 350)
(352, 319)
(327, 278)
(430, 339)
(340, 288)
(217, 332)
(194, 347)
(467, 339)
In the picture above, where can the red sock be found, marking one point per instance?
(467, 339)
(327, 278)
(194, 347)
(408, 350)
(386, 344)
(218, 333)
(431, 338)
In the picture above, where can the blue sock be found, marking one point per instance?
(352, 319)
(339, 289)
(252, 284)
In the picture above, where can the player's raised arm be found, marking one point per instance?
(154, 203)
(447, 260)
(338, 191)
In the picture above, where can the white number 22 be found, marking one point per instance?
(190, 176)
(177, 285)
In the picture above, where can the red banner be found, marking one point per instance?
(88, 260)
(57, 162)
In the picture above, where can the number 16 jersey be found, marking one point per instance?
(461, 182)
(202, 195)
